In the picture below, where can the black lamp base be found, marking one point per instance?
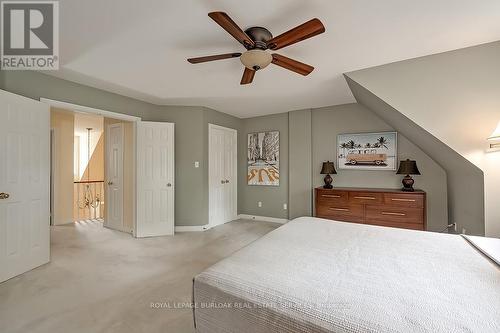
(328, 182)
(408, 184)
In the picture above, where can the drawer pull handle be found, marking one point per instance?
(339, 209)
(365, 198)
(394, 214)
(404, 200)
(330, 196)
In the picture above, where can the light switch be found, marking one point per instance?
(196, 164)
(285, 206)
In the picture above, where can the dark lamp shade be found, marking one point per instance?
(328, 168)
(408, 167)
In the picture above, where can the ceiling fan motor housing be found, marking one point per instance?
(260, 36)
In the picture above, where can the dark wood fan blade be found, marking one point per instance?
(304, 31)
(232, 28)
(213, 57)
(293, 65)
(248, 75)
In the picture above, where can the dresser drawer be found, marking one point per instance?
(404, 200)
(351, 213)
(395, 214)
(366, 197)
(383, 207)
(329, 197)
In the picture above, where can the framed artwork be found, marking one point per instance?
(367, 151)
(263, 158)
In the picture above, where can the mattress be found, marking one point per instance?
(315, 275)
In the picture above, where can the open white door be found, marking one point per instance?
(155, 179)
(24, 184)
(114, 175)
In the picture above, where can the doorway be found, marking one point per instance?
(91, 180)
(222, 171)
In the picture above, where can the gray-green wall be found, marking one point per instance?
(311, 140)
(191, 131)
(272, 197)
(311, 134)
(465, 180)
(300, 166)
(328, 122)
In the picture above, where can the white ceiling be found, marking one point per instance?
(139, 48)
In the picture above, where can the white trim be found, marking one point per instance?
(86, 109)
(262, 218)
(191, 228)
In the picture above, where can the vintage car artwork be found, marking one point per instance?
(367, 151)
(366, 156)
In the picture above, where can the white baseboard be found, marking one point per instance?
(191, 228)
(121, 229)
(262, 218)
(198, 228)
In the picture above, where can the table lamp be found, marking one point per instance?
(408, 168)
(327, 169)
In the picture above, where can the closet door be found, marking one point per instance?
(230, 161)
(217, 176)
(222, 175)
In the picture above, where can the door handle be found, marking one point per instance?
(227, 181)
(169, 185)
(4, 196)
(222, 182)
(110, 183)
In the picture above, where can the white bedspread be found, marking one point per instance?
(314, 275)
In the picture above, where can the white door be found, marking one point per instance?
(24, 184)
(222, 175)
(217, 183)
(230, 167)
(114, 177)
(155, 179)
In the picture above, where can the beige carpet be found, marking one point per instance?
(101, 280)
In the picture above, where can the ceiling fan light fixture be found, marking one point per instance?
(256, 59)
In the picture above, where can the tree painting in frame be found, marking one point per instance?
(263, 158)
(367, 151)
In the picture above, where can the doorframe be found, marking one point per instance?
(114, 115)
(235, 183)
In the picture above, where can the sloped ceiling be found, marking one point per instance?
(139, 48)
(454, 97)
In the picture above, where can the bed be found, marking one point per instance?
(315, 275)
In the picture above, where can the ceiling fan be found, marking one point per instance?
(257, 40)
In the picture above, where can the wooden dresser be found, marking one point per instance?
(384, 207)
